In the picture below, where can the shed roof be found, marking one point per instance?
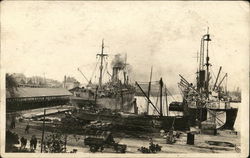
(22, 92)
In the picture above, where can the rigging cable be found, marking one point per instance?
(105, 68)
(171, 94)
(94, 70)
(213, 72)
(156, 102)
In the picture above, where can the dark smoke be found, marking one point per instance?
(118, 62)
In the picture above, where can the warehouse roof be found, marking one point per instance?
(22, 92)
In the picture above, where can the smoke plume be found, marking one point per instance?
(118, 61)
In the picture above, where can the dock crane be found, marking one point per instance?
(89, 81)
(222, 80)
(217, 78)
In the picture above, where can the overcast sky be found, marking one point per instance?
(56, 38)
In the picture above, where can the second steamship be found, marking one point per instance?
(116, 94)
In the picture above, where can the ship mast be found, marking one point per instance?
(201, 71)
(149, 88)
(102, 55)
(125, 70)
(207, 63)
(161, 85)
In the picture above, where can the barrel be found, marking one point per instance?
(190, 138)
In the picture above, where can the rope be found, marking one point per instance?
(213, 73)
(171, 94)
(181, 92)
(214, 114)
(94, 69)
(105, 68)
(156, 101)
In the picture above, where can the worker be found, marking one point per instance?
(135, 106)
(13, 123)
(33, 143)
(170, 137)
(23, 143)
(27, 129)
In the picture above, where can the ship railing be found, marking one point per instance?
(218, 105)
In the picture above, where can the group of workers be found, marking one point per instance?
(23, 140)
(33, 143)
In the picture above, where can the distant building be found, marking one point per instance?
(70, 83)
(35, 81)
(31, 98)
(53, 83)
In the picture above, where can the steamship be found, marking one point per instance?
(114, 102)
(116, 94)
(205, 101)
(132, 121)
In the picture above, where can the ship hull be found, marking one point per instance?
(201, 115)
(231, 115)
(82, 102)
(120, 103)
(196, 115)
(134, 122)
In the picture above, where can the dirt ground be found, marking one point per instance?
(133, 143)
(133, 140)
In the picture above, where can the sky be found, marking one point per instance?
(56, 37)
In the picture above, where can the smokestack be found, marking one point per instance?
(124, 77)
(115, 74)
(64, 82)
(119, 63)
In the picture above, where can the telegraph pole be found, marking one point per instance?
(42, 141)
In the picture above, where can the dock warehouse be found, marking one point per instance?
(25, 98)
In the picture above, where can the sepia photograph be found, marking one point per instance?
(124, 79)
